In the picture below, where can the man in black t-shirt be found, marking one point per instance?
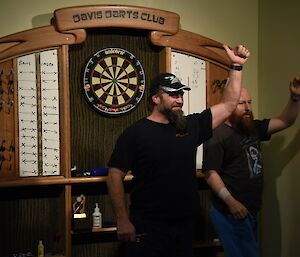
(234, 170)
(160, 150)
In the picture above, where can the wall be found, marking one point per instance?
(279, 57)
(270, 30)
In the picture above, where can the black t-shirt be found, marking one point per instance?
(237, 159)
(163, 162)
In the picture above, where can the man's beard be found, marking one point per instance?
(244, 125)
(175, 117)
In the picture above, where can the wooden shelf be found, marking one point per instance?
(57, 180)
(54, 255)
(207, 243)
(60, 180)
(104, 230)
(200, 174)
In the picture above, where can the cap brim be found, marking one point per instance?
(171, 89)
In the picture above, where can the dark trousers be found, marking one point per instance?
(157, 238)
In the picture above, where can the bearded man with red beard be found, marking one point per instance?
(234, 170)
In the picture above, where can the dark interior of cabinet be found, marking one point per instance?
(203, 230)
(30, 214)
(87, 243)
(84, 241)
(97, 193)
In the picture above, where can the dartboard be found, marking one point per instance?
(114, 81)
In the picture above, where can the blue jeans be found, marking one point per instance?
(155, 238)
(238, 237)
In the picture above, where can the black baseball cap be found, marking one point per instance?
(167, 82)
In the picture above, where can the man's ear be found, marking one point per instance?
(156, 99)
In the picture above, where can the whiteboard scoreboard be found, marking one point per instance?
(192, 72)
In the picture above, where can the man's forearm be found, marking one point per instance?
(214, 180)
(290, 112)
(232, 92)
(229, 100)
(286, 118)
(117, 193)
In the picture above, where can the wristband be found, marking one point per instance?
(295, 98)
(223, 193)
(236, 67)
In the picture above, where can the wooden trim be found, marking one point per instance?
(16, 119)
(165, 60)
(37, 39)
(68, 220)
(207, 86)
(121, 16)
(65, 127)
(201, 46)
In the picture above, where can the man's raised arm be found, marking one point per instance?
(291, 110)
(231, 94)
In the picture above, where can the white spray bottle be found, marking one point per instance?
(97, 217)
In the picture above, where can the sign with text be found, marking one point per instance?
(116, 16)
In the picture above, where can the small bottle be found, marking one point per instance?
(40, 249)
(97, 217)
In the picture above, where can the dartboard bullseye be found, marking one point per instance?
(114, 81)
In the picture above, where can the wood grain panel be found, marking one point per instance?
(7, 112)
(203, 47)
(216, 81)
(37, 39)
(29, 215)
(92, 135)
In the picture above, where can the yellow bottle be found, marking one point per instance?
(40, 249)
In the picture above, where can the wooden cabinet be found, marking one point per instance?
(48, 125)
(41, 209)
(32, 214)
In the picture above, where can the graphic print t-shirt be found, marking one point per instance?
(238, 160)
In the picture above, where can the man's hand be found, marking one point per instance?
(125, 230)
(237, 209)
(295, 86)
(238, 55)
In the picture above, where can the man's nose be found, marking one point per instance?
(179, 99)
(247, 106)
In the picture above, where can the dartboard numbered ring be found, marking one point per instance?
(114, 81)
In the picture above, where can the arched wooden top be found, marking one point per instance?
(70, 26)
(36, 39)
(192, 43)
(121, 16)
